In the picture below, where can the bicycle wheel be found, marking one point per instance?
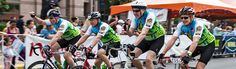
(39, 64)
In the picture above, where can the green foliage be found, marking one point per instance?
(3, 6)
(2, 26)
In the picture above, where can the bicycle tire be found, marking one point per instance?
(40, 63)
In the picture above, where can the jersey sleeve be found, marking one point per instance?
(150, 21)
(133, 24)
(198, 29)
(178, 30)
(103, 29)
(47, 21)
(89, 31)
(63, 27)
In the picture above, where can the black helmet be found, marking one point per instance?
(94, 15)
(54, 13)
(187, 11)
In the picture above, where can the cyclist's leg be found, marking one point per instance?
(68, 55)
(206, 55)
(54, 48)
(195, 53)
(98, 63)
(155, 47)
(102, 55)
(142, 47)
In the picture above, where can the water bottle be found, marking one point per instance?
(94, 67)
(104, 66)
(58, 65)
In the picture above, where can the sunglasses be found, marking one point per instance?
(184, 17)
(136, 10)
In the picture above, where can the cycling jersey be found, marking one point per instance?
(66, 27)
(148, 20)
(196, 29)
(108, 34)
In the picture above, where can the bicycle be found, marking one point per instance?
(79, 59)
(126, 64)
(181, 61)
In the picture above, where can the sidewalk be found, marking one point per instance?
(19, 64)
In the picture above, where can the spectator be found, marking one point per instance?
(120, 27)
(11, 19)
(20, 24)
(217, 31)
(12, 29)
(48, 32)
(113, 22)
(234, 31)
(30, 28)
(7, 53)
(76, 23)
(127, 24)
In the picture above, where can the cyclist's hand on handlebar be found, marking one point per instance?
(160, 59)
(186, 59)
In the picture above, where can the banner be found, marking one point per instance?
(230, 44)
(161, 14)
(34, 51)
(34, 46)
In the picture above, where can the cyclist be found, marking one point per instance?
(151, 38)
(196, 30)
(66, 34)
(104, 33)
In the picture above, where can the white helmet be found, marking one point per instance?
(121, 21)
(139, 4)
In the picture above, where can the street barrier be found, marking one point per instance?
(33, 46)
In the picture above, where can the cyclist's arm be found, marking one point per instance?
(39, 20)
(169, 44)
(85, 36)
(132, 28)
(149, 22)
(96, 40)
(55, 38)
(172, 40)
(82, 40)
(130, 32)
(141, 36)
(59, 33)
(103, 30)
(196, 37)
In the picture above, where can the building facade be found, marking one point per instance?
(68, 8)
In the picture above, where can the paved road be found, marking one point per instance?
(215, 63)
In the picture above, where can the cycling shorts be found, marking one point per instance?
(64, 43)
(205, 51)
(153, 45)
(114, 53)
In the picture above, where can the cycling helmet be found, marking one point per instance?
(139, 4)
(54, 13)
(187, 11)
(94, 15)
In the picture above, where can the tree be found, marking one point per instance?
(3, 7)
(108, 3)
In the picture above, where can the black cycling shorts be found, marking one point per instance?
(64, 43)
(154, 45)
(205, 51)
(114, 53)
